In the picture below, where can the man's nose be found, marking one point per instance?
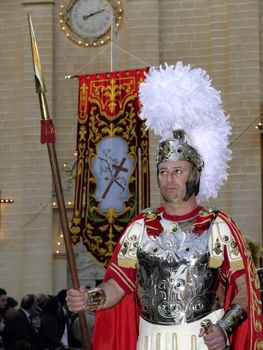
(170, 177)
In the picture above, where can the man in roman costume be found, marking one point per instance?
(181, 276)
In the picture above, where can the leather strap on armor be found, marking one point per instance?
(233, 317)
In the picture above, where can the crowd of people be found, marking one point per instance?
(38, 322)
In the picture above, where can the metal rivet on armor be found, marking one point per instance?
(174, 228)
(199, 306)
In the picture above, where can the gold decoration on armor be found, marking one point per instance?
(96, 298)
(217, 249)
(207, 211)
(174, 228)
(234, 248)
(149, 212)
(225, 238)
(221, 237)
(214, 263)
(127, 256)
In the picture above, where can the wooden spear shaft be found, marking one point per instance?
(67, 237)
(41, 89)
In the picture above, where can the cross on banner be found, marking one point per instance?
(118, 168)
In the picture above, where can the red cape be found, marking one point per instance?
(117, 328)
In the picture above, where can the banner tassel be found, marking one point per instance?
(47, 131)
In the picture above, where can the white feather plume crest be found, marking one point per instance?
(181, 97)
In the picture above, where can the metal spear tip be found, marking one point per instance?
(39, 78)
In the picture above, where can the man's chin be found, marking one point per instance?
(175, 201)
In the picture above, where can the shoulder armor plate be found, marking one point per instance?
(221, 237)
(127, 256)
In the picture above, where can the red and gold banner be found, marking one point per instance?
(112, 176)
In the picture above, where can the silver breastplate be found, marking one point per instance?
(175, 285)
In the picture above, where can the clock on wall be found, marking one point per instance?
(88, 22)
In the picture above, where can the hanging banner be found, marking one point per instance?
(112, 176)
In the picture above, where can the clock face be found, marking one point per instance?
(88, 22)
(91, 18)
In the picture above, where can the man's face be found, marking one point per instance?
(3, 300)
(36, 322)
(10, 311)
(172, 179)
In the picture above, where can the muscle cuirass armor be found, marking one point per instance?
(175, 285)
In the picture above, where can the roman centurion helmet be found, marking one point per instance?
(177, 148)
(180, 105)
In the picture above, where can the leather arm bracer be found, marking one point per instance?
(96, 298)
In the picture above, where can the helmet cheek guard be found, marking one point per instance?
(192, 185)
